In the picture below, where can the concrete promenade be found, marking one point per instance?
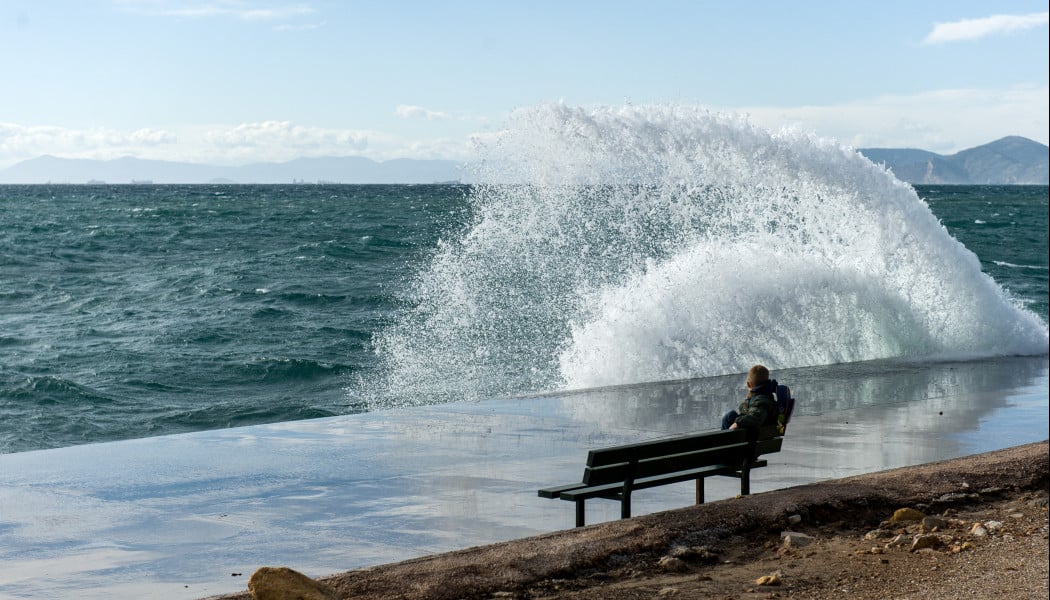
(188, 516)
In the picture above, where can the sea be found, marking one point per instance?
(593, 248)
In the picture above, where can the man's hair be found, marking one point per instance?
(757, 375)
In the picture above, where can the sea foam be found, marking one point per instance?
(646, 243)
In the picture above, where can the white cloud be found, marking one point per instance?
(238, 9)
(221, 144)
(943, 121)
(285, 134)
(303, 27)
(408, 111)
(152, 137)
(972, 29)
(19, 142)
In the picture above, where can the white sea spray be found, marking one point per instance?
(645, 243)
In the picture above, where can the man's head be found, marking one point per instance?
(757, 376)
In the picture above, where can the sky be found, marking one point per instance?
(240, 81)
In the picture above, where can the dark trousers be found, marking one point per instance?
(729, 418)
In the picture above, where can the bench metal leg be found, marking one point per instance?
(745, 482)
(699, 490)
(625, 505)
(580, 512)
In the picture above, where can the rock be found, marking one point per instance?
(955, 497)
(978, 530)
(680, 552)
(667, 592)
(673, 565)
(906, 515)
(793, 539)
(773, 579)
(993, 525)
(794, 519)
(933, 524)
(878, 534)
(282, 583)
(694, 553)
(925, 541)
(900, 540)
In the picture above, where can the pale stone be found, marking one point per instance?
(925, 541)
(978, 530)
(794, 539)
(878, 534)
(695, 553)
(672, 564)
(282, 583)
(993, 525)
(795, 519)
(900, 540)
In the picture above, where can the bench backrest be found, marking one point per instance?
(658, 457)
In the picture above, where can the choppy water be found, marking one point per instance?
(133, 311)
(636, 244)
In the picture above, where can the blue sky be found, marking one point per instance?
(237, 81)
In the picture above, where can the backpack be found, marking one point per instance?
(785, 404)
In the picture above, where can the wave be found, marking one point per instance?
(1013, 266)
(622, 245)
(47, 390)
(286, 369)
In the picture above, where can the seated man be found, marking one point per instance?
(760, 406)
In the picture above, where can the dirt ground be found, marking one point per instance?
(982, 519)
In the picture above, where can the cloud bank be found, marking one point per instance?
(237, 144)
(928, 120)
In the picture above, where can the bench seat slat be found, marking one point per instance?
(733, 454)
(612, 490)
(554, 492)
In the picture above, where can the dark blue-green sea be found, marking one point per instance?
(130, 311)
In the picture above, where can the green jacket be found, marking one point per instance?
(759, 410)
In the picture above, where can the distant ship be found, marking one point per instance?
(95, 182)
(141, 182)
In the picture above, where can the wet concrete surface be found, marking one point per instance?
(188, 516)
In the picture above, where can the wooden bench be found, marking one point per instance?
(614, 473)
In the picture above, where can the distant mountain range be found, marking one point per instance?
(346, 169)
(1010, 160)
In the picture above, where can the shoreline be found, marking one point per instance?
(606, 558)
